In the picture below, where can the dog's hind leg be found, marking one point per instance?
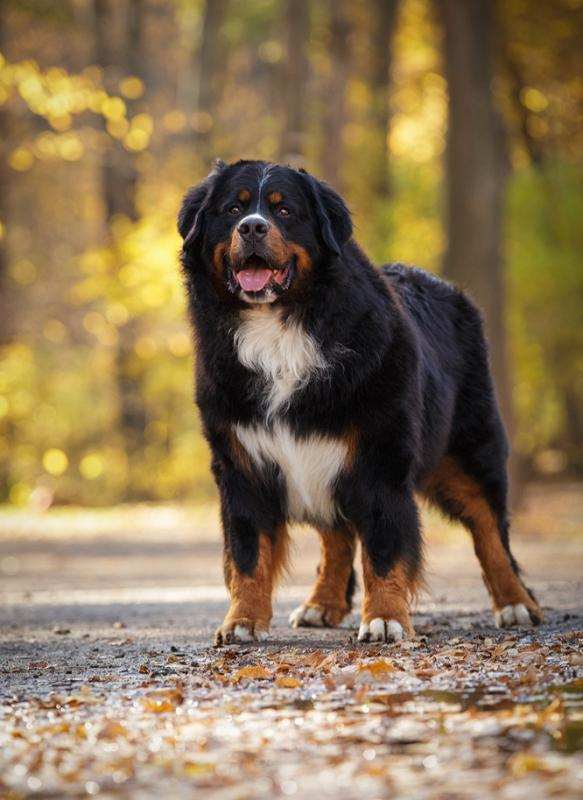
(331, 598)
(480, 506)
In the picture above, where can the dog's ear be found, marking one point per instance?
(332, 213)
(191, 214)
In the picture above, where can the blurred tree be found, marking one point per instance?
(383, 20)
(119, 52)
(97, 150)
(210, 68)
(540, 69)
(5, 174)
(295, 81)
(477, 169)
(334, 112)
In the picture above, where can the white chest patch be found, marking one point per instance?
(280, 350)
(309, 466)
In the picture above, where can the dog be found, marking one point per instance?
(332, 393)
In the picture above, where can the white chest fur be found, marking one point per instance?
(309, 465)
(280, 350)
(286, 356)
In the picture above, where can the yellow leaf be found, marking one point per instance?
(287, 682)
(252, 672)
(377, 668)
(523, 763)
(159, 702)
(111, 730)
(195, 768)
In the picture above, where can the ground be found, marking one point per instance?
(109, 685)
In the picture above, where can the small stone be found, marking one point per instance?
(61, 631)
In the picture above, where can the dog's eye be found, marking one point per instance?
(235, 210)
(283, 211)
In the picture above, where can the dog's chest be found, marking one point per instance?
(309, 466)
(285, 356)
(281, 352)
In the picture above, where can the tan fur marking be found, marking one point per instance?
(274, 197)
(334, 570)
(218, 255)
(351, 439)
(251, 594)
(238, 453)
(505, 587)
(388, 597)
(244, 195)
(276, 247)
(303, 260)
(236, 246)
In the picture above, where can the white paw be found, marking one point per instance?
(381, 630)
(239, 634)
(307, 617)
(242, 634)
(512, 615)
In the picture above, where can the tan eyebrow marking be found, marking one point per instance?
(244, 195)
(275, 197)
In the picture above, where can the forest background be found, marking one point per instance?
(453, 128)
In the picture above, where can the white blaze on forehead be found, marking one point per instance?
(309, 465)
(282, 351)
(260, 184)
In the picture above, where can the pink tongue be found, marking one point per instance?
(253, 280)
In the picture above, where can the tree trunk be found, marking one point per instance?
(118, 45)
(211, 71)
(335, 98)
(477, 168)
(383, 18)
(295, 77)
(118, 55)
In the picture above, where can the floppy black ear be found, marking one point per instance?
(332, 212)
(191, 214)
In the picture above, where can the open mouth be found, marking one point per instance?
(256, 275)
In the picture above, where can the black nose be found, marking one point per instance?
(253, 228)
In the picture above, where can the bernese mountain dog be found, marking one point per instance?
(331, 393)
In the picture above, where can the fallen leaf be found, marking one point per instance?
(287, 682)
(252, 672)
(376, 669)
(161, 701)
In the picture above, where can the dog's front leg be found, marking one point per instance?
(391, 560)
(255, 549)
(255, 542)
(252, 561)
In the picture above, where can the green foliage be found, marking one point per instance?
(545, 241)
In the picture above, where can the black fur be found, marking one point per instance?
(408, 372)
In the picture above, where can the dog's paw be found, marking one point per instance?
(240, 631)
(316, 616)
(382, 630)
(517, 614)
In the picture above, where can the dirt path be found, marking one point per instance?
(109, 687)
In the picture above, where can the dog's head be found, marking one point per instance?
(261, 231)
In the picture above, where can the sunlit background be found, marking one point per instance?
(110, 109)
